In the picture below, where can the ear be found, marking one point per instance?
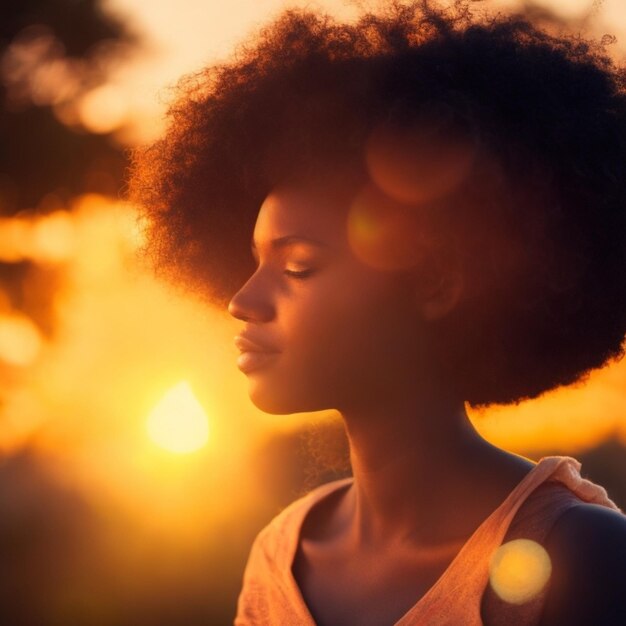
(438, 293)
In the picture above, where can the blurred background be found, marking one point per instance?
(134, 471)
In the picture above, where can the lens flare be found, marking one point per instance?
(519, 570)
(178, 422)
(418, 165)
(385, 234)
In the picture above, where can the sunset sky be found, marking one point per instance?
(177, 38)
(140, 349)
(122, 390)
(183, 36)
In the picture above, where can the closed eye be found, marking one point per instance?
(301, 274)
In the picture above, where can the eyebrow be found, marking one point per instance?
(288, 240)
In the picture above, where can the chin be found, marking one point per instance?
(284, 401)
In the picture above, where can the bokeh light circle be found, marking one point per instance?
(418, 165)
(20, 340)
(386, 234)
(519, 570)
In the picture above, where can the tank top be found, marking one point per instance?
(270, 595)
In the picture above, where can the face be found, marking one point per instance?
(341, 332)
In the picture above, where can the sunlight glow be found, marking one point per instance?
(519, 570)
(47, 238)
(20, 340)
(103, 109)
(53, 237)
(14, 239)
(178, 423)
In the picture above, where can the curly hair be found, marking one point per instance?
(538, 223)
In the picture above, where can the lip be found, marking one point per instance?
(249, 361)
(245, 343)
(255, 353)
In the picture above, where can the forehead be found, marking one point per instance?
(305, 212)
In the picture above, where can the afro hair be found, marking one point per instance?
(538, 222)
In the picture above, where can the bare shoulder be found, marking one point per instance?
(587, 546)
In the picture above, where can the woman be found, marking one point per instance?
(436, 205)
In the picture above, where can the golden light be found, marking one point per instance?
(14, 239)
(178, 422)
(47, 238)
(519, 570)
(20, 341)
(103, 109)
(53, 237)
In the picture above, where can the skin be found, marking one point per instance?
(587, 547)
(355, 339)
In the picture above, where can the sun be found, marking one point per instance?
(178, 422)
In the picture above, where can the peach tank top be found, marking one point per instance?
(270, 595)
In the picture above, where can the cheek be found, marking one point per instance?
(312, 326)
(352, 331)
(341, 337)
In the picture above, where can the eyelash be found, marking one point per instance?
(298, 275)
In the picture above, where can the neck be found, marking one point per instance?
(417, 460)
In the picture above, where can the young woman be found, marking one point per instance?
(437, 210)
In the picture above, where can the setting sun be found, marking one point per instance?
(178, 423)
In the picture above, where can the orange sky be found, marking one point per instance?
(183, 36)
(129, 340)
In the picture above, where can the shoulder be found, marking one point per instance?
(587, 546)
(281, 529)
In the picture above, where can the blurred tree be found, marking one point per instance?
(51, 53)
(79, 24)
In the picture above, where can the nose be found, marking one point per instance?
(251, 303)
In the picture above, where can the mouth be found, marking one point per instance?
(252, 360)
(254, 353)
